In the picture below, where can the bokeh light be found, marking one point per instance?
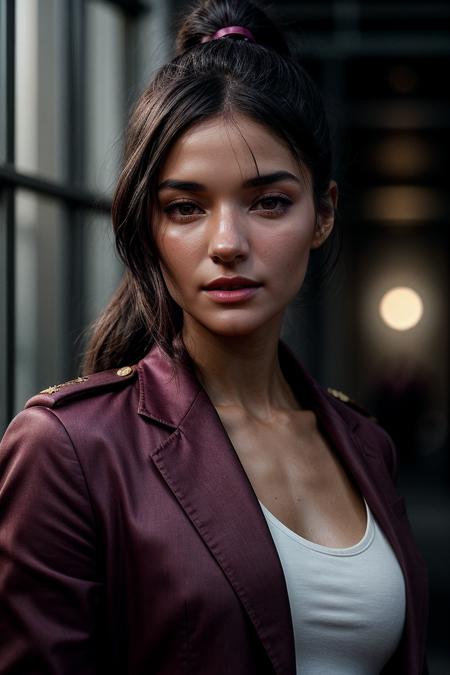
(401, 308)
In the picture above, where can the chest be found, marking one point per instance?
(352, 600)
(297, 475)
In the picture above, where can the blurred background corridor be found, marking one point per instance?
(376, 329)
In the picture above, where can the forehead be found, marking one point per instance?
(219, 145)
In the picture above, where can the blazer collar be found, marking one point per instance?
(167, 388)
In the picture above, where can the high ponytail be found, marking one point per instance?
(212, 15)
(219, 77)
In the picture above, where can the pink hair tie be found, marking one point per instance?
(230, 30)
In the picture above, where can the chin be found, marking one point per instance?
(234, 331)
(229, 326)
(235, 322)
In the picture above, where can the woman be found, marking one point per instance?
(196, 503)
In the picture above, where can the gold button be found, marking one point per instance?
(123, 372)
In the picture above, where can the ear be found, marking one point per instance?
(325, 219)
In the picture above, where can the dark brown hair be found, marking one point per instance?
(225, 77)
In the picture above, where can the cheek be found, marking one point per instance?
(289, 251)
(178, 250)
(178, 255)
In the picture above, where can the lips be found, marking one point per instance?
(231, 284)
(231, 290)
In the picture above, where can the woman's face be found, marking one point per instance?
(234, 238)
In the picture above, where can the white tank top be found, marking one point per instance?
(347, 604)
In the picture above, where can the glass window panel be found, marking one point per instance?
(102, 268)
(105, 93)
(39, 94)
(4, 318)
(41, 282)
(153, 45)
(3, 88)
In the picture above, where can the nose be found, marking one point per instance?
(228, 240)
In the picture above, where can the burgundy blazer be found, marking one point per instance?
(132, 542)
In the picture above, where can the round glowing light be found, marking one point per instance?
(401, 308)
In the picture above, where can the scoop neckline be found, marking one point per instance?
(355, 549)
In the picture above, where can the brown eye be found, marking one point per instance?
(269, 203)
(182, 210)
(186, 209)
(272, 204)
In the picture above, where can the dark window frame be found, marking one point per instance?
(74, 198)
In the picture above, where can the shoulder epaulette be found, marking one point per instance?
(346, 399)
(81, 386)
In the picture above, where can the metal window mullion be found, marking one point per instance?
(7, 216)
(130, 7)
(73, 195)
(75, 107)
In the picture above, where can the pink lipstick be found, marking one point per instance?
(232, 289)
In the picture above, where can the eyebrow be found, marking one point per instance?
(257, 181)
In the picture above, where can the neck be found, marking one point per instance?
(241, 371)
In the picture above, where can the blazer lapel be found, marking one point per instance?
(202, 469)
